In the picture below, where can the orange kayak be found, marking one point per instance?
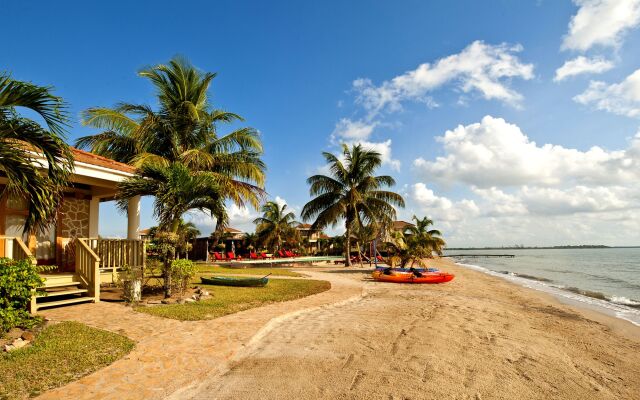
(405, 277)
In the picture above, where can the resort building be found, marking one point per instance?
(73, 244)
(310, 238)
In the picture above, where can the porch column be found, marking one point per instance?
(133, 218)
(94, 216)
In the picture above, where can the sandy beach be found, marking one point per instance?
(478, 337)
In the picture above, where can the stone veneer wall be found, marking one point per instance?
(75, 218)
(74, 222)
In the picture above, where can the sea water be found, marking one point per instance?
(605, 279)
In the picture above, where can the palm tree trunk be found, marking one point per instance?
(347, 245)
(170, 256)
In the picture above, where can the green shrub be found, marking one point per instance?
(18, 278)
(181, 273)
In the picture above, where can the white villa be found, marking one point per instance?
(83, 259)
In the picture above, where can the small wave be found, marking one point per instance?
(525, 276)
(625, 301)
(618, 306)
(589, 293)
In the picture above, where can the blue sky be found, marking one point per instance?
(309, 75)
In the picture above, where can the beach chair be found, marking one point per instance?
(217, 256)
(231, 256)
(264, 255)
(255, 256)
(281, 254)
(289, 253)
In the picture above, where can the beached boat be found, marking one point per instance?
(234, 281)
(405, 277)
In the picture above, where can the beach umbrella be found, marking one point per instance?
(233, 247)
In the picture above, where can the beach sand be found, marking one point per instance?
(477, 337)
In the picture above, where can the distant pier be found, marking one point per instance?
(481, 255)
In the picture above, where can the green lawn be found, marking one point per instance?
(228, 300)
(61, 353)
(216, 269)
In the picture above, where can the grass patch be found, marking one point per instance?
(216, 269)
(228, 300)
(60, 354)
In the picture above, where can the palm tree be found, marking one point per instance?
(20, 137)
(429, 239)
(187, 231)
(275, 225)
(352, 193)
(183, 129)
(177, 190)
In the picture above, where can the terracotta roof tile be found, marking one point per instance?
(401, 225)
(94, 159)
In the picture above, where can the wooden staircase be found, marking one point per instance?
(61, 290)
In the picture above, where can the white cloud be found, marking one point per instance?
(441, 208)
(353, 130)
(579, 199)
(239, 218)
(479, 68)
(521, 193)
(495, 153)
(498, 203)
(280, 201)
(601, 22)
(582, 65)
(619, 98)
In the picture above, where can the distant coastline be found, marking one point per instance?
(583, 246)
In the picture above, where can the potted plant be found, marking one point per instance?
(131, 281)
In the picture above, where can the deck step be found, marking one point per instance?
(59, 284)
(62, 293)
(65, 302)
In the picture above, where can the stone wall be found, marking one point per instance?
(74, 222)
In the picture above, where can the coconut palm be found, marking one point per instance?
(187, 231)
(421, 236)
(176, 190)
(276, 225)
(183, 128)
(351, 193)
(21, 138)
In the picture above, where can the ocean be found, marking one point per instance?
(605, 279)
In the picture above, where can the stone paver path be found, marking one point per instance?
(169, 354)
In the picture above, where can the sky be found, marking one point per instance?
(507, 122)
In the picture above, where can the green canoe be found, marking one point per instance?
(235, 281)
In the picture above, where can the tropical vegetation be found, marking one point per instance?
(23, 141)
(180, 158)
(416, 243)
(18, 280)
(352, 193)
(277, 225)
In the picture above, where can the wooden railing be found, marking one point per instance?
(13, 247)
(88, 268)
(117, 253)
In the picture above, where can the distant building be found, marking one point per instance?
(310, 237)
(400, 226)
(145, 234)
(232, 234)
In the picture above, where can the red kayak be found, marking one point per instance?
(407, 277)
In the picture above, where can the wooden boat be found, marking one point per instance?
(406, 277)
(235, 281)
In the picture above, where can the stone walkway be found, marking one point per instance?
(169, 354)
